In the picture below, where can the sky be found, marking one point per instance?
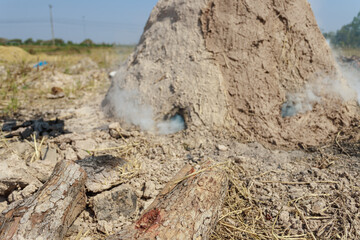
(331, 15)
(119, 21)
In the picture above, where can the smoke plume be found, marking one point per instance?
(350, 71)
(352, 75)
(314, 92)
(127, 105)
(347, 87)
(173, 125)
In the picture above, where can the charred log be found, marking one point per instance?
(49, 212)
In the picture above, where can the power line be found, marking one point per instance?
(52, 26)
(84, 28)
(68, 21)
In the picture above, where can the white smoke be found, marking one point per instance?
(173, 125)
(350, 72)
(354, 82)
(347, 87)
(352, 76)
(299, 102)
(314, 92)
(127, 105)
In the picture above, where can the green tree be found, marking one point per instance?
(59, 41)
(3, 41)
(15, 41)
(39, 42)
(29, 41)
(347, 36)
(87, 42)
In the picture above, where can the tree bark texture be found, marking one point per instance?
(51, 210)
(187, 208)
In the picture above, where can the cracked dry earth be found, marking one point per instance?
(272, 194)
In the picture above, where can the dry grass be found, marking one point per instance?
(349, 52)
(245, 216)
(105, 57)
(242, 218)
(17, 90)
(130, 151)
(37, 154)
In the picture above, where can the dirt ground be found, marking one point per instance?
(309, 193)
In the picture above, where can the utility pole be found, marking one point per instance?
(84, 27)
(52, 26)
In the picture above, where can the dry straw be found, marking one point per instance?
(129, 152)
(244, 215)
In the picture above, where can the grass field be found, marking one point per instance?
(18, 74)
(349, 52)
(63, 56)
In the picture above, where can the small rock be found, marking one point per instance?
(49, 154)
(14, 196)
(70, 154)
(43, 169)
(3, 204)
(222, 148)
(63, 146)
(116, 131)
(3, 188)
(318, 206)
(14, 174)
(109, 205)
(150, 190)
(88, 144)
(86, 215)
(112, 74)
(105, 227)
(284, 217)
(56, 92)
(114, 125)
(20, 195)
(29, 190)
(21, 147)
(82, 154)
(295, 192)
(77, 227)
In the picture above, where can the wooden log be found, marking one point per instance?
(187, 208)
(51, 210)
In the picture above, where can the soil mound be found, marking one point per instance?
(259, 68)
(13, 54)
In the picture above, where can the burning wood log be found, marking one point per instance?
(50, 211)
(187, 208)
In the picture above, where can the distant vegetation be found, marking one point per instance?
(348, 36)
(62, 47)
(57, 41)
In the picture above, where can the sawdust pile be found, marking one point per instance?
(13, 54)
(236, 65)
